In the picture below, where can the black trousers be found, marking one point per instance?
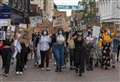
(19, 62)
(89, 61)
(44, 56)
(6, 59)
(72, 57)
(80, 62)
(118, 52)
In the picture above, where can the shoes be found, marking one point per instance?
(76, 70)
(80, 74)
(6, 75)
(48, 69)
(56, 70)
(21, 73)
(42, 69)
(17, 73)
(113, 66)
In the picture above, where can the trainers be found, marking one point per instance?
(20, 73)
(42, 69)
(48, 69)
(17, 73)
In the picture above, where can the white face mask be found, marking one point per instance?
(60, 32)
(45, 33)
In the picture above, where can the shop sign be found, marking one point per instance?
(2, 35)
(5, 22)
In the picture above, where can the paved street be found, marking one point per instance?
(33, 74)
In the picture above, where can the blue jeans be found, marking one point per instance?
(58, 51)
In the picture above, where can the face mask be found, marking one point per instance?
(45, 33)
(60, 32)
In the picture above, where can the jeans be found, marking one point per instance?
(58, 51)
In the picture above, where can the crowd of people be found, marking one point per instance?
(82, 52)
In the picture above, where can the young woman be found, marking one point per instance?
(18, 55)
(71, 46)
(44, 42)
(106, 55)
(6, 53)
(80, 52)
(58, 50)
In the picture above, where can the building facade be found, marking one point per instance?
(4, 1)
(47, 6)
(109, 10)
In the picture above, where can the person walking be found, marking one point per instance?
(6, 54)
(58, 50)
(18, 54)
(118, 49)
(106, 50)
(36, 48)
(71, 46)
(80, 52)
(89, 46)
(44, 42)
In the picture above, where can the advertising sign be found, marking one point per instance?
(2, 35)
(58, 22)
(5, 22)
(5, 11)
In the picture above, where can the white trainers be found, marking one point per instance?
(21, 73)
(17, 73)
(48, 69)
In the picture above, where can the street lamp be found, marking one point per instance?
(27, 12)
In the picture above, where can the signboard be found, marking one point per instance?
(96, 31)
(2, 35)
(35, 20)
(5, 11)
(5, 22)
(70, 7)
(58, 22)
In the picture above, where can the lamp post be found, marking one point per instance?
(27, 13)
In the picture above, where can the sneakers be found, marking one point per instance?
(19, 73)
(47, 69)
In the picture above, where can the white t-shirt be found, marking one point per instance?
(44, 43)
(60, 39)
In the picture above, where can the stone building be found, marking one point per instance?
(109, 10)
